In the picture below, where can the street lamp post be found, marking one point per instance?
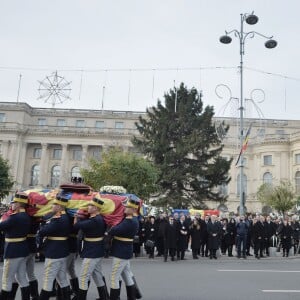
(250, 19)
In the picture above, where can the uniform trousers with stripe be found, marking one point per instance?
(30, 262)
(121, 268)
(71, 265)
(91, 267)
(55, 269)
(14, 269)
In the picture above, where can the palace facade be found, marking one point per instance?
(47, 146)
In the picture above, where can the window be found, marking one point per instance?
(239, 184)
(267, 178)
(55, 175)
(37, 152)
(35, 174)
(261, 132)
(75, 172)
(297, 159)
(119, 125)
(80, 123)
(245, 161)
(77, 154)
(2, 117)
(61, 122)
(297, 182)
(96, 153)
(57, 153)
(42, 122)
(267, 160)
(223, 189)
(100, 124)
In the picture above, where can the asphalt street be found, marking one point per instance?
(226, 278)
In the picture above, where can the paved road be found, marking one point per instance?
(226, 278)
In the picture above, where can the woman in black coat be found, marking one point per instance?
(286, 234)
(230, 240)
(151, 233)
(182, 232)
(195, 233)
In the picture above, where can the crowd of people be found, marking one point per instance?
(171, 236)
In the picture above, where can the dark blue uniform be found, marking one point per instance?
(93, 230)
(57, 232)
(123, 234)
(16, 228)
(16, 250)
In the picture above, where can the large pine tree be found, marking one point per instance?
(181, 139)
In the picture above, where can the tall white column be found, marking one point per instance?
(64, 172)
(44, 180)
(84, 161)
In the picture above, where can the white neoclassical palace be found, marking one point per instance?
(47, 146)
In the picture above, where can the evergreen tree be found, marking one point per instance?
(181, 139)
(6, 181)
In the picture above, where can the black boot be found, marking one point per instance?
(103, 293)
(114, 294)
(138, 293)
(74, 286)
(58, 292)
(131, 292)
(81, 295)
(13, 292)
(45, 295)
(4, 295)
(25, 292)
(34, 290)
(66, 293)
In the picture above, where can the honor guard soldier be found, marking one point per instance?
(93, 230)
(16, 250)
(122, 251)
(56, 248)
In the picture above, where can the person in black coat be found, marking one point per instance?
(231, 236)
(214, 233)
(151, 233)
(195, 234)
(170, 239)
(286, 234)
(258, 231)
(204, 236)
(182, 232)
(270, 230)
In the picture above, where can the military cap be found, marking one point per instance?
(132, 202)
(61, 200)
(97, 201)
(20, 197)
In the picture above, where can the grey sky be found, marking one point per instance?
(94, 35)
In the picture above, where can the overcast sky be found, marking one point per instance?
(39, 37)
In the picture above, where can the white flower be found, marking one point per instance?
(113, 189)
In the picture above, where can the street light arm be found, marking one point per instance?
(251, 34)
(235, 31)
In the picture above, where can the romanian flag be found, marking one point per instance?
(245, 143)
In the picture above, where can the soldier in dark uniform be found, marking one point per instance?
(56, 248)
(122, 251)
(92, 253)
(16, 250)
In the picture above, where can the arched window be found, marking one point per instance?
(267, 178)
(55, 176)
(35, 175)
(75, 172)
(244, 184)
(297, 182)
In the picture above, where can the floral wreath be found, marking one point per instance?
(113, 189)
